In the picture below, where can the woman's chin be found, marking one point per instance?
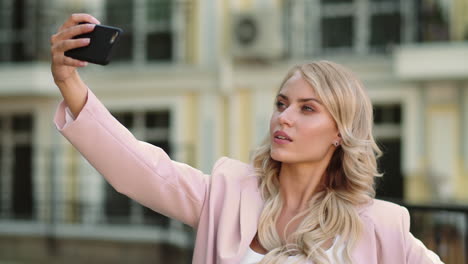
(278, 156)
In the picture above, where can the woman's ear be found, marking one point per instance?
(338, 137)
(337, 140)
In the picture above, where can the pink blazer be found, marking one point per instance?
(224, 208)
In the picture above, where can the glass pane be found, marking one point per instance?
(164, 145)
(387, 1)
(153, 218)
(17, 20)
(19, 52)
(159, 11)
(1, 164)
(124, 47)
(387, 114)
(4, 13)
(22, 123)
(433, 21)
(157, 119)
(396, 116)
(120, 14)
(377, 115)
(385, 30)
(335, 1)
(117, 206)
(337, 32)
(159, 46)
(391, 184)
(125, 118)
(4, 54)
(22, 182)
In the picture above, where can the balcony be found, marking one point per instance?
(432, 61)
(26, 79)
(443, 229)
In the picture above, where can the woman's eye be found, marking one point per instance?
(280, 105)
(308, 108)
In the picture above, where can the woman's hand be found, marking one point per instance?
(66, 77)
(64, 67)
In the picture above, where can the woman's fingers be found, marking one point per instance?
(69, 44)
(67, 61)
(77, 18)
(71, 32)
(73, 62)
(58, 50)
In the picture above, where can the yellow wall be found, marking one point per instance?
(245, 130)
(461, 182)
(190, 134)
(459, 20)
(71, 196)
(417, 189)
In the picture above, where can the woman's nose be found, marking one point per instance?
(286, 117)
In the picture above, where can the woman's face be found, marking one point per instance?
(301, 129)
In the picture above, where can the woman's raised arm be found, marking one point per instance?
(63, 68)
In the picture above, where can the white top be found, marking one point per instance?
(252, 257)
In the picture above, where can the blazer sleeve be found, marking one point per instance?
(134, 168)
(416, 251)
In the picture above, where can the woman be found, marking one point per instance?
(307, 197)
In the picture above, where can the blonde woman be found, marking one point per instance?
(307, 196)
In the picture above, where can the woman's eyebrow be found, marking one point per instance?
(301, 100)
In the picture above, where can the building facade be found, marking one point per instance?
(198, 78)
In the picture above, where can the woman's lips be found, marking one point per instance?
(281, 141)
(281, 137)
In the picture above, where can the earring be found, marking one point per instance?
(336, 143)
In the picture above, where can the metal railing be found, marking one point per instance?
(443, 228)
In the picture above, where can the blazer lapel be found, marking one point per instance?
(251, 206)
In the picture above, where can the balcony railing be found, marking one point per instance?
(443, 229)
(313, 28)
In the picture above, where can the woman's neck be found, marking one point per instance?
(299, 183)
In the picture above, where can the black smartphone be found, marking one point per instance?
(102, 42)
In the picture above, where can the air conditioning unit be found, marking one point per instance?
(257, 34)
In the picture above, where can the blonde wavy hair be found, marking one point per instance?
(347, 183)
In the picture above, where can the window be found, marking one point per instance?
(17, 30)
(385, 25)
(159, 35)
(120, 14)
(387, 130)
(152, 127)
(337, 25)
(330, 26)
(337, 32)
(385, 31)
(2, 172)
(387, 114)
(146, 37)
(433, 20)
(335, 1)
(16, 152)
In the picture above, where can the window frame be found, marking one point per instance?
(307, 17)
(7, 180)
(26, 36)
(142, 28)
(176, 233)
